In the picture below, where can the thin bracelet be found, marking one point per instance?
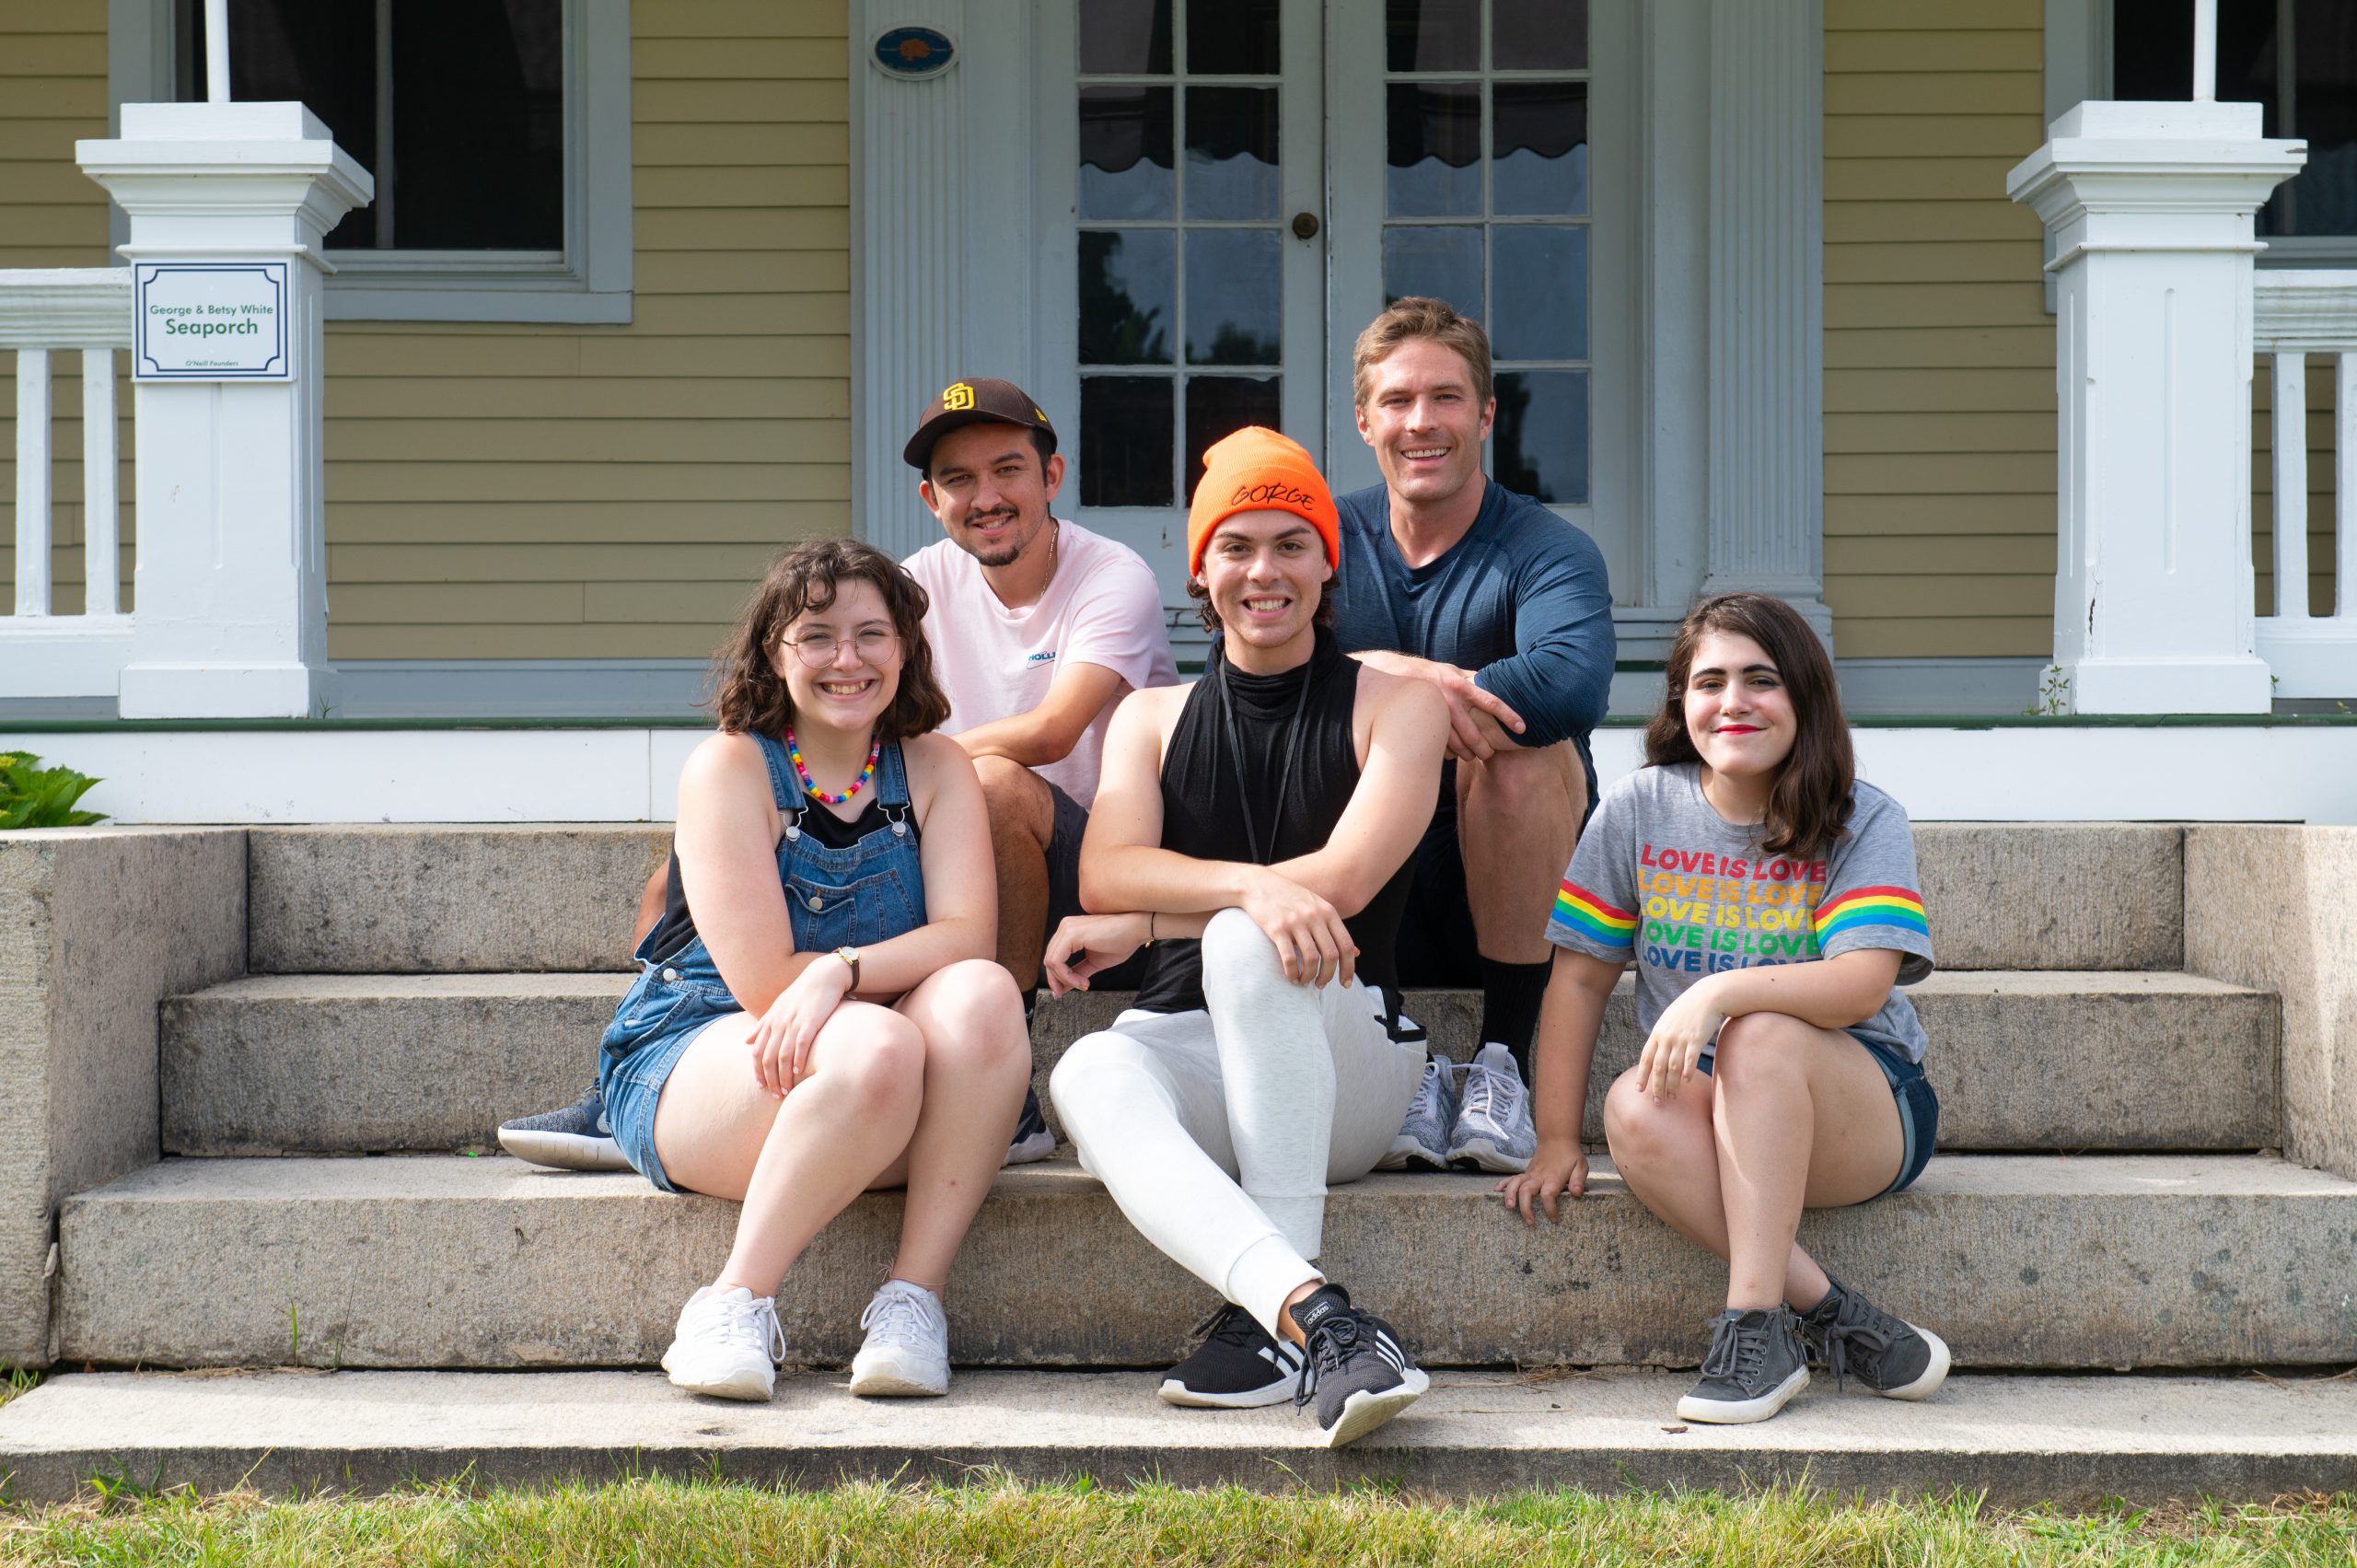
(1149, 928)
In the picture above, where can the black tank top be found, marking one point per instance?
(1204, 812)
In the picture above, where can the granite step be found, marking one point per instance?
(446, 1262)
(417, 899)
(364, 1064)
(2073, 1441)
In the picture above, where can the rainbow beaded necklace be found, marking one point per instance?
(801, 772)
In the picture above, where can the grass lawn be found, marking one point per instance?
(990, 1521)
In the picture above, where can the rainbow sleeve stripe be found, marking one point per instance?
(1900, 907)
(1594, 918)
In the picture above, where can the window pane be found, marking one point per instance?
(1538, 35)
(2322, 198)
(1433, 134)
(1542, 435)
(1128, 298)
(1230, 38)
(1235, 290)
(297, 51)
(1541, 278)
(1231, 152)
(1445, 263)
(1125, 161)
(478, 125)
(1431, 35)
(1125, 38)
(1222, 405)
(1538, 138)
(1125, 430)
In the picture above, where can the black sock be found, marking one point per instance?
(1510, 997)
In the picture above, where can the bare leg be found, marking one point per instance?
(976, 1064)
(1023, 818)
(1517, 816)
(1681, 1163)
(795, 1163)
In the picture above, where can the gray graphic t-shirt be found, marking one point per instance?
(1662, 879)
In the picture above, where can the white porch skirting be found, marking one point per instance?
(2284, 771)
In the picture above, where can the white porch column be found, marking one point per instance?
(2149, 207)
(230, 618)
(1767, 346)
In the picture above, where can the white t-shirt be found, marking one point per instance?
(1102, 607)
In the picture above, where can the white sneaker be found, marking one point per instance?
(1493, 1128)
(907, 1344)
(727, 1344)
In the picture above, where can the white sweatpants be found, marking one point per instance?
(1280, 1087)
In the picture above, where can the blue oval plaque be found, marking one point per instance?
(914, 51)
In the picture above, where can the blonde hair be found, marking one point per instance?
(1420, 317)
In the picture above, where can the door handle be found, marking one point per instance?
(1305, 226)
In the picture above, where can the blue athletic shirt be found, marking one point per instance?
(1522, 598)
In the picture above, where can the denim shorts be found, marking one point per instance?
(1919, 1109)
(651, 1029)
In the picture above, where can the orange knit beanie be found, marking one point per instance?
(1256, 470)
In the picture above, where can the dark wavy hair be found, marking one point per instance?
(1809, 803)
(749, 696)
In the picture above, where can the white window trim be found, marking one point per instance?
(589, 281)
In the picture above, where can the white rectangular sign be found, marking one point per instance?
(211, 321)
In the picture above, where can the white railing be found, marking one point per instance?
(43, 314)
(2294, 314)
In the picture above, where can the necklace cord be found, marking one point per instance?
(1236, 759)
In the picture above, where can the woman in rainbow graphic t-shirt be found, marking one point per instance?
(1767, 899)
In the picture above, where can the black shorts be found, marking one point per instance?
(1063, 888)
(1436, 948)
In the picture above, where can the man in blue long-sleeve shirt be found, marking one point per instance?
(1504, 607)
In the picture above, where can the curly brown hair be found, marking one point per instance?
(749, 695)
(1809, 803)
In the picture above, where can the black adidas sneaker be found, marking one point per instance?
(1238, 1367)
(1358, 1370)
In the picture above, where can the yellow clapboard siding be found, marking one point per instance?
(655, 144)
(564, 523)
(439, 604)
(805, 354)
(652, 561)
(744, 272)
(2016, 49)
(1934, 473)
(2012, 136)
(1908, 304)
(1879, 15)
(711, 603)
(59, 97)
(2023, 346)
(522, 642)
(586, 398)
(719, 59)
(587, 441)
(1916, 178)
(52, 183)
(2021, 636)
(660, 484)
(1851, 434)
(1936, 92)
(1882, 390)
(47, 54)
(23, 137)
(2004, 260)
(782, 228)
(1865, 516)
(1848, 223)
(727, 315)
(706, 103)
(77, 16)
(1948, 554)
(813, 20)
(355, 353)
(1929, 593)
(727, 190)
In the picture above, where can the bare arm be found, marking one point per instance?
(1569, 1022)
(1049, 732)
(1479, 719)
(1833, 994)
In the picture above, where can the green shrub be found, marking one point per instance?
(35, 796)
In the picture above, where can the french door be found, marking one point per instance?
(1234, 188)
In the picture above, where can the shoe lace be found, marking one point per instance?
(1856, 1328)
(900, 1316)
(1428, 1089)
(1492, 1094)
(1330, 1344)
(1229, 1325)
(752, 1324)
(1737, 1352)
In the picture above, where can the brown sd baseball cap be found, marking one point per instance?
(973, 401)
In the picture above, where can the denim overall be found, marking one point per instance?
(868, 892)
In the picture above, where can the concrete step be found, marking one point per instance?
(353, 1063)
(427, 899)
(2022, 1440)
(2040, 1261)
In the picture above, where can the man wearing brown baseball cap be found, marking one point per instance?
(1039, 629)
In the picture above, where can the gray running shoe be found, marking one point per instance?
(1852, 1336)
(576, 1138)
(1423, 1136)
(1493, 1130)
(1755, 1365)
(1032, 1139)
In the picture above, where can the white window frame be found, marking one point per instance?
(588, 281)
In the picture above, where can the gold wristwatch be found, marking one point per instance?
(850, 956)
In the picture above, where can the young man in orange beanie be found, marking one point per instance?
(1252, 832)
